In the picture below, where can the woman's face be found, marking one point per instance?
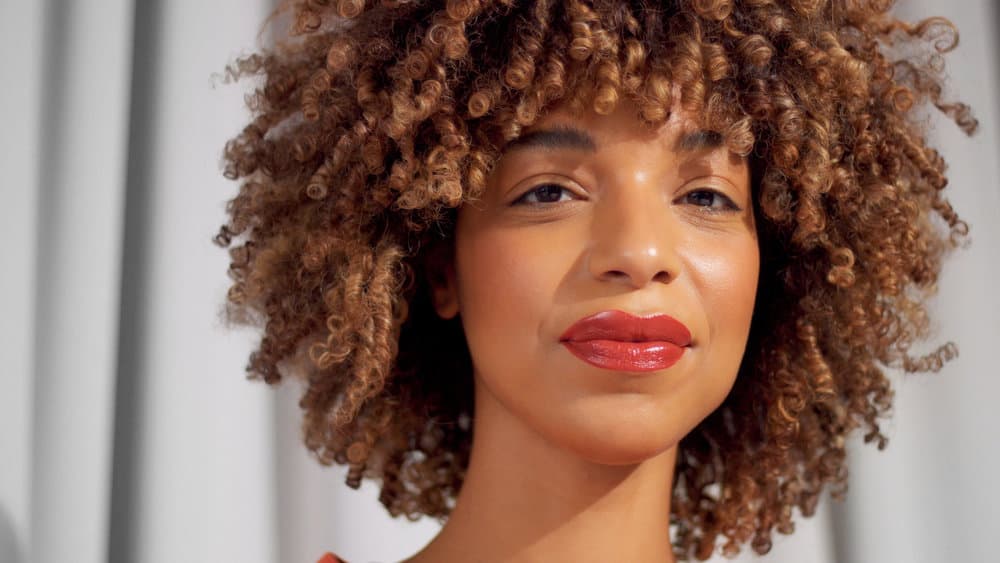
(590, 215)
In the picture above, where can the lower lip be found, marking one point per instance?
(626, 356)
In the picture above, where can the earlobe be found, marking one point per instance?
(446, 300)
(440, 272)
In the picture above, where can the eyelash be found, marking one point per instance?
(523, 197)
(727, 203)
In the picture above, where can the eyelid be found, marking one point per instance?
(521, 193)
(729, 205)
(520, 200)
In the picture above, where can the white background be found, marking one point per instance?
(127, 430)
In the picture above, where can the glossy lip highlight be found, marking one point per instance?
(620, 341)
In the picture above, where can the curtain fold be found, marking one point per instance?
(20, 32)
(80, 189)
(196, 461)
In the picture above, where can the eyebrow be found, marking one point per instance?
(569, 137)
(699, 140)
(560, 137)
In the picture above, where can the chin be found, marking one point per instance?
(622, 441)
(621, 453)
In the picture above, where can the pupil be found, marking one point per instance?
(701, 198)
(549, 193)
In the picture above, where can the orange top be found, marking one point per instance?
(330, 558)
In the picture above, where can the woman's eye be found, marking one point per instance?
(711, 200)
(545, 193)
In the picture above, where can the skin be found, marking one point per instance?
(572, 462)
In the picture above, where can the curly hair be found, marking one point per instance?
(374, 120)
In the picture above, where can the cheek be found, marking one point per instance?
(507, 281)
(726, 280)
(493, 274)
(495, 269)
(723, 274)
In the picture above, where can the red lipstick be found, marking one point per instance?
(619, 341)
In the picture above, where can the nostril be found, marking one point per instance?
(616, 275)
(662, 276)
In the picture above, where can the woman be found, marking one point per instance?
(592, 280)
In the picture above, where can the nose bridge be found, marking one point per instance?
(634, 239)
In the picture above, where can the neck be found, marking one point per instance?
(526, 499)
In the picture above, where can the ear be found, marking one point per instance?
(439, 267)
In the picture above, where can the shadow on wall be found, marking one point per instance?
(10, 551)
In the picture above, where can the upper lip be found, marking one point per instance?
(625, 327)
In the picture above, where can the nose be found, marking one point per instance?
(634, 242)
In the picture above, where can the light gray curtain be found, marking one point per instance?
(127, 430)
(65, 98)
